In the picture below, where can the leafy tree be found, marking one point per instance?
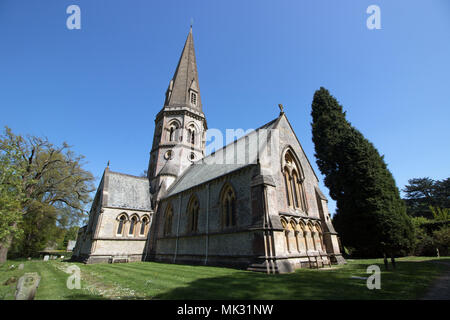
(371, 217)
(11, 195)
(70, 234)
(442, 240)
(440, 214)
(56, 187)
(39, 228)
(422, 194)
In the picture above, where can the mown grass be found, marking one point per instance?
(151, 280)
(52, 285)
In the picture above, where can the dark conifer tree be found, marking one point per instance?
(371, 217)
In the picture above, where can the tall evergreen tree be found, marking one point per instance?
(371, 217)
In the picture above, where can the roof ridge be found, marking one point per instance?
(128, 175)
(224, 147)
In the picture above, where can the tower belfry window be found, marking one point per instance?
(193, 98)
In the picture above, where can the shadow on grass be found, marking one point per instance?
(408, 281)
(81, 296)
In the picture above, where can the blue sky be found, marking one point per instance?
(99, 88)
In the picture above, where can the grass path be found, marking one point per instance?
(440, 289)
(151, 280)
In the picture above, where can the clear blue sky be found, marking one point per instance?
(99, 88)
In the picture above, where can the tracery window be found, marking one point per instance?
(193, 211)
(168, 220)
(228, 205)
(293, 182)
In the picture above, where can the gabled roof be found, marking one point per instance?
(126, 191)
(209, 168)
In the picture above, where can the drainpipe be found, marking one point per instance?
(178, 229)
(207, 223)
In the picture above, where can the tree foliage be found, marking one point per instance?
(423, 195)
(56, 188)
(11, 191)
(370, 217)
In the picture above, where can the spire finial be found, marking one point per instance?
(107, 165)
(281, 108)
(192, 23)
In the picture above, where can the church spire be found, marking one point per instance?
(184, 90)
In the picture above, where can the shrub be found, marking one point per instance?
(441, 239)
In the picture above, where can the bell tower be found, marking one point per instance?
(180, 126)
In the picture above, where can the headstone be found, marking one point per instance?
(29, 258)
(21, 266)
(62, 257)
(46, 257)
(70, 245)
(27, 286)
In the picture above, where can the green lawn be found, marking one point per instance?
(149, 280)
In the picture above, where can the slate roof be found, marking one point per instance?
(127, 191)
(208, 168)
(185, 78)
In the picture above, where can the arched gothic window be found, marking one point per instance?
(287, 186)
(228, 204)
(293, 182)
(191, 132)
(144, 224)
(168, 220)
(193, 210)
(173, 131)
(122, 220)
(133, 223)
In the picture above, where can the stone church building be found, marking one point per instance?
(253, 204)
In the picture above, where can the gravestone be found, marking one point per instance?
(46, 257)
(71, 245)
(21, 266)
(27, 286)
(62, 257)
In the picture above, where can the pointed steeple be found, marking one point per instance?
(184, 90)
